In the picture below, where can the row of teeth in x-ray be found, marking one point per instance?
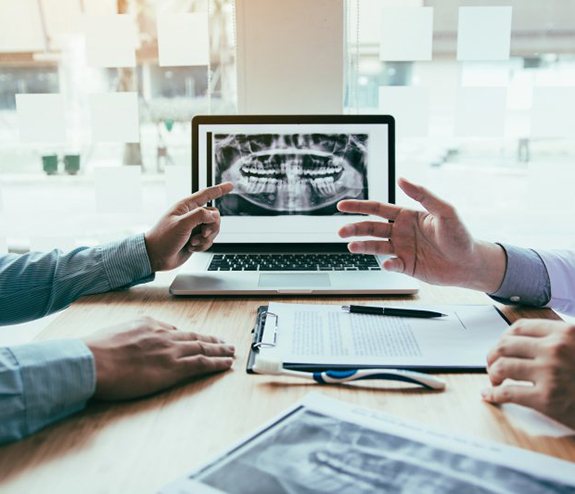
(324, 186)
(291, 170)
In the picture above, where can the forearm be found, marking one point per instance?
(41, 383)
(487, 269)
(34, 285)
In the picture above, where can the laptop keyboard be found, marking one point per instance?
(293, 262)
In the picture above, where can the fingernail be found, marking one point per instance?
(195, 241)
(486, 394)
(231, 348)
(206, 234)
(220, 340)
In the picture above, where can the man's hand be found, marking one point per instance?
(186, 228)
(542, 353)
(145, 356)
(431, 245)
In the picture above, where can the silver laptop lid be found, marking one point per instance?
(289, 172)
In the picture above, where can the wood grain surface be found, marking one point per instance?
(138, 446)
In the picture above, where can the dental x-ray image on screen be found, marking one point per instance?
(290, 174)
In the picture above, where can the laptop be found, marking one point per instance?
(279, 225)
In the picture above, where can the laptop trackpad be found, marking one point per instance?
(294, 280)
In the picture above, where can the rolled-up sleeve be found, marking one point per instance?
(41, 383)
(526, 280)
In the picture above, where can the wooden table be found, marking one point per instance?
(139, 446)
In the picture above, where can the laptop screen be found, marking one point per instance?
(289, 172)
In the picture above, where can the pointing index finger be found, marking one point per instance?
(209, 194)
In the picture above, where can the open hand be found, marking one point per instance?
(145, 356)
(432, 245)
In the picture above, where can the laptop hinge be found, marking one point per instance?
(280, 247)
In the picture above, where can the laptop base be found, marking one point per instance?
(294, 283)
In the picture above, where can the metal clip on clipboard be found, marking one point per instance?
(260, 339)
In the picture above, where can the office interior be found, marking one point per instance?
(490, 169)
(97, 97)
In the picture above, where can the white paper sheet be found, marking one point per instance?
(325, 334)
(20, 26)
(178, 183)
(111, 40)
(100, 7)
(486, 74)
(118, 189)
(326, 445)
(553, 112)
(183, 39)
(114, 117)
(534, 423)
(481, 112)
(409, 106)
(484, 33)
(41, 118)
(406, 34)
(370, 14)
(62, 17)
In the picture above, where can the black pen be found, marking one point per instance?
(389, 311)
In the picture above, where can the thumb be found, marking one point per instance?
(508, 393)
(394, 264)
(197, 217)
(427, 199)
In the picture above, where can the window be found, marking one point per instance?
(486, 122)
(62, 51)
(496, 137)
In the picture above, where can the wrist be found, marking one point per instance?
(488, 269)
(152, 257)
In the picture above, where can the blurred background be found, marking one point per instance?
(496, 137)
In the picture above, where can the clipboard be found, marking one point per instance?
(258, 341)
(257, 334)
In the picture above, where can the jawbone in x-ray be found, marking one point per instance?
(290, 173)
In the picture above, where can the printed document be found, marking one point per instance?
(326, 335)
(325, 445)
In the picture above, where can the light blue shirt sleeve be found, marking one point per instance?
(43, 382)
(526, 280)
(37, 284)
